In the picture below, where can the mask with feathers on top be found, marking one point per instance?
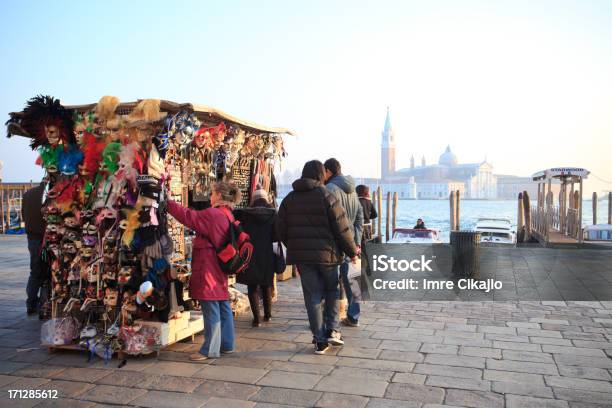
(83, 122)
(45, 121)
(49, 157)
(69, 159)
(110, 157)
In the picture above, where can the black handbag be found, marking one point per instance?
(279, 260)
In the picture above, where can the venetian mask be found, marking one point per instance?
(110, 297)
(125, 273)
(92, 274)
(200, 139)
(70, 221)
(53, 134)
(110, 273)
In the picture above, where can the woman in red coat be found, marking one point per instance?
(208, 283)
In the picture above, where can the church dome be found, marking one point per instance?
(448, 158)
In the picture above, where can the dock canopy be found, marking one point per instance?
(561, 173)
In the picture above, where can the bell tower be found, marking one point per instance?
(387, 151)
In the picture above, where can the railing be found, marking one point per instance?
(539, 222)
(546, 219)
(573, 223)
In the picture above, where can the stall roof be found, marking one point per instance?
(202, 111)
(560, 172)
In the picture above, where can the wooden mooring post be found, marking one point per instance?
(527, 214)
(458, 211)
(520, 220)
(453, 213)
(379, 205)
(388, 216)
(594, 208)
(610, 207)
(394, 215)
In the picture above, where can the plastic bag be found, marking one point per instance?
(59, 331)
(354, 269)
(139, 339)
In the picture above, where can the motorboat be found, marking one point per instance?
(415, 236)
(598, 232)
(496, 231)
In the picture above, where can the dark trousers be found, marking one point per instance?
(36, 278)
(320, 282)
(254, 300)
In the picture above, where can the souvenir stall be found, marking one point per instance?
(118, 263)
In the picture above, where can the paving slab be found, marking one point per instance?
(415, 393)
(335, 400)
(475, 399)
(448, 371)
(591, 373)
(579, 383)
(216, 402)
(460, 383)
(110, 394)
(227, 373)
(291, 366)
(158, 399)
(284, 379)
(532, 390)
(286, 396)
(353, 386)
(519, 401)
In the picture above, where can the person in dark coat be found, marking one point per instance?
(259, 222)
(419, 224)
(31, 211)
(315, 229)
(369, 211)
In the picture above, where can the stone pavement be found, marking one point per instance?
(419, 354)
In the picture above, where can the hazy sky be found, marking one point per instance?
(528, 84)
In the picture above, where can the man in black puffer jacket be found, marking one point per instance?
(313, 226)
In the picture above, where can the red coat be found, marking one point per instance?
(208, 282)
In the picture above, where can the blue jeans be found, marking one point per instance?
(353, 293)
(218, 327)
(36, 278)
(320, 282)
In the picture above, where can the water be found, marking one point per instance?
(436, 213)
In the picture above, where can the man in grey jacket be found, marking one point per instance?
(343, 188)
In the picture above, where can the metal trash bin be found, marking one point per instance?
(465, 248)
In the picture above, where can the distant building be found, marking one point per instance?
(474, 180)
(439, 190)
(509, 187)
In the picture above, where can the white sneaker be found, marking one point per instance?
(335, 338)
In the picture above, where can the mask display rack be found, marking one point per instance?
(118, 264)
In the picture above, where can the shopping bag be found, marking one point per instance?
(354, 269)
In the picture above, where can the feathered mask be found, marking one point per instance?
(131, 162)
(92, 148)
(105, 112)
(82, 123)
(147, 110)
(44, 120)
(49, 157)
(110, 157)
(210, 137)
(69, 159)
(129, 224)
